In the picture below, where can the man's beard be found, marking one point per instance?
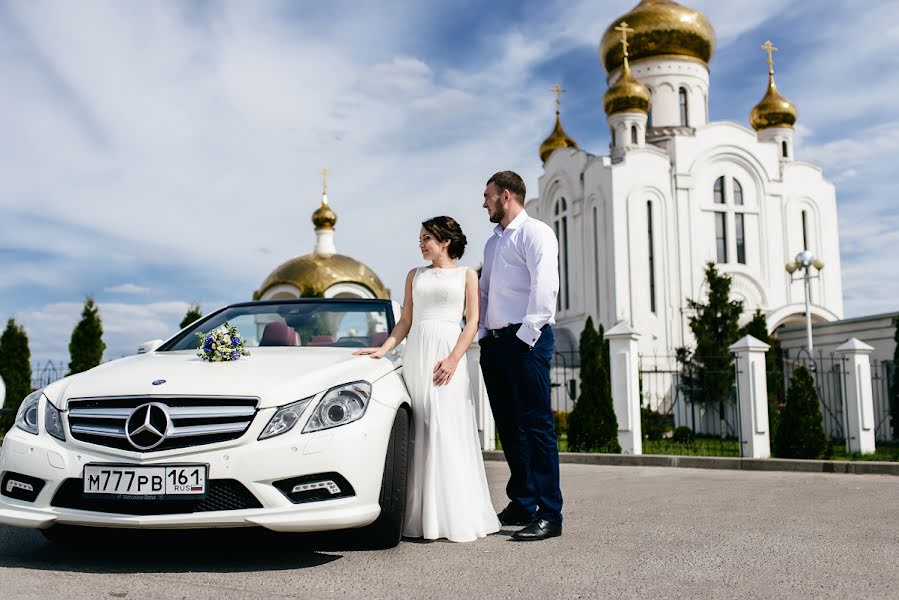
(498, 214)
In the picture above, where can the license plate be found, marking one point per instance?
(184, 481)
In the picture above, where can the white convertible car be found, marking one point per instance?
(299, 436)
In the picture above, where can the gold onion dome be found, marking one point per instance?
(774, 110)
(557, 139)
(627, 95)
(324, 217)
(312, 274)
(661, 27)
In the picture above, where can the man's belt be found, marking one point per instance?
(503, 331)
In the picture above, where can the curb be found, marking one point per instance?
(860, 467)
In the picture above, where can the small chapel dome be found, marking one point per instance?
(627, 95)
(324, 217)
(661, 27)
(557, 139)
(774, 110)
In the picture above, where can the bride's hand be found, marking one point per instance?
(444, 370)
(371, 352)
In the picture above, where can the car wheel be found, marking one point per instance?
(387, 530)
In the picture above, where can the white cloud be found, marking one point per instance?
(128, 288)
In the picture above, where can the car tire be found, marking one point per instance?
(387, 529)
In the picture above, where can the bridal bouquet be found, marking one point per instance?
(221, 345)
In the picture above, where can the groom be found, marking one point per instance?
(519, 286)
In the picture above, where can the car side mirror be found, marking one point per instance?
(148, 347)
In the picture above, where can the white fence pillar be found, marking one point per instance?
(859, 396)
(483, 413)
(626, 387)
(752, 395)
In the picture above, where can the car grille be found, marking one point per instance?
(221, 494)
(196, 420)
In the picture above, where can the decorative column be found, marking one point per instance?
(752, 395)
(858, 395)
(483, 413)
(626, 387)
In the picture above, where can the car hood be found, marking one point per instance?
(275, 375)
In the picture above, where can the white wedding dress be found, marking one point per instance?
(447, 495)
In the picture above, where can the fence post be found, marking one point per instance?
(752, 395)
(626, 387)
(859, 396)
(483, 413)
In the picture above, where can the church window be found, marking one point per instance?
(652, 270)
(740, 238)
(719, 191)
(596, 255)
(783, 149)
(682, 96)
(804, 230)
(649, 116)
(560, 224)
(738, 193)
(613, 138)
(633, 134)
(721, 237)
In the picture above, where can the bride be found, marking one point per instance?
(447, 495)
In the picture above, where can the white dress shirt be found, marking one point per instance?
(520, 278)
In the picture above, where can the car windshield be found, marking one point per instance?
(295, 323)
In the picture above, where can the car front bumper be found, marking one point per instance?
(356, 451)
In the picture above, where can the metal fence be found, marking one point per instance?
(45, 373)
(674, 397)
(886, 403)
(829, 372)
(564, 375)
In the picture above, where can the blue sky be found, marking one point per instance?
(162, 153)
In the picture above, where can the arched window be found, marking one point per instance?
(738, 193)
(682, 96)
(719, 191)
(727, 205)
(633, 134)
(804, 230)
(783, 149)
(613, 138)
(652, 270)
(560, 224)
(649, 116)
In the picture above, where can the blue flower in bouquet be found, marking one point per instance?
(223, 344)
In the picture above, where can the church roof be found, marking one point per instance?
(312, 274)
(627, 95)
(773, 110)
(661, 27)
(557, 139)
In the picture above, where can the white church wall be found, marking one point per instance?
(665, 77)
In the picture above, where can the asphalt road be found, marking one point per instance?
(630, 532)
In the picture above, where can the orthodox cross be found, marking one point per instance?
(770, 49)
(325, 172)
(624, 29)
(558, 89)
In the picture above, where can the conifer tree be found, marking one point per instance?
(708, 370)
(193, 315)
(86, 346)
(15, 368)
(801, 431)
(592, 425)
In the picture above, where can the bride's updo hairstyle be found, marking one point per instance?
(446, 229)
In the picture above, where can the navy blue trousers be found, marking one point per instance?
(517, 379)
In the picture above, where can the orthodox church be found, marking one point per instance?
(637, 226)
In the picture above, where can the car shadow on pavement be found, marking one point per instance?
(131, 551)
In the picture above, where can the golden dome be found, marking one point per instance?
(660, 27)
(312, 274)
(557, 139)
(774, 110)
(627, 95)
(324, 217)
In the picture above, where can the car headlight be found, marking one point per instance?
(53, 422)
(340, 405)
(286, 417)
(26, 418)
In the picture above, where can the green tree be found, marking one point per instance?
(15, 368)
(192, 316)
(801, 431)
(86, 346)
(894, 399)
(592, 425)
(708, 370)
(757, 327)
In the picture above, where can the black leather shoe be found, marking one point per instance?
(513, 516)
(538, 530)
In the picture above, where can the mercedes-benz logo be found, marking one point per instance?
(148, 425)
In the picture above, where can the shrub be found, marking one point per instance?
(654, 424)
(800, 433)
(560, 421)
(683, 435)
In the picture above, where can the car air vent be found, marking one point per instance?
(176, 421)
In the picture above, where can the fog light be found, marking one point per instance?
(315, 488)
(21, 487)
(317, 485)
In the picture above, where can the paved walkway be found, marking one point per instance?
(630, 532)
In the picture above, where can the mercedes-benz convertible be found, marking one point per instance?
(298, 436)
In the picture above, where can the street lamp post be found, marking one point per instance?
(805, 260)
